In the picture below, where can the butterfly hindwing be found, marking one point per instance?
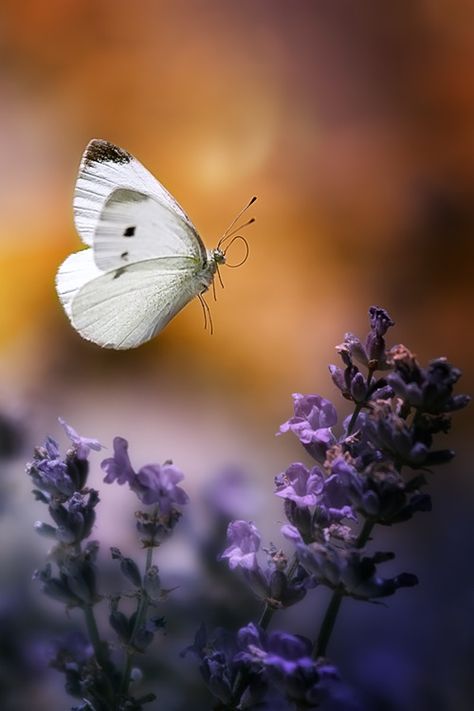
(74, 272)
(125, 307)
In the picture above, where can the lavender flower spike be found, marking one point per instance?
(82, 445)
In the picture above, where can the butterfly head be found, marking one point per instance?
(218, 256)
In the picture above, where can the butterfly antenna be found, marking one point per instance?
(247, 250)
(227, 233)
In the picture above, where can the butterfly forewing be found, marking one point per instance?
(134, 226)
(104, 168)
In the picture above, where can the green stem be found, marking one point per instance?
(141, 614)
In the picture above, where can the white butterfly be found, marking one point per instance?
(146, 260)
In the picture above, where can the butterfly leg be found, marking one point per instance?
(207, 314)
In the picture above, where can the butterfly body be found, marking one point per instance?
(144, 259)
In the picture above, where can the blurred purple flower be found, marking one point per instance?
(157, 484)
(118, 468)
(49, 472)
(227, 677)
(286, 660)
(153, 483)
(82, 445)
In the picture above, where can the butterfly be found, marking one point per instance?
(145, 260)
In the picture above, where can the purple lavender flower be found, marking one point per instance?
(312, 422)
(49, 472)
(227, 677)
(153, 483)
(380, 322)
(300, 485)
(286, 660)
(316, 505)
(271, 583)
(82, 445)
(56, 476)
(373, 354)
(244, 542)
(157, 484)
(118, 468)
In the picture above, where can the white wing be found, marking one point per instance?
(104, 168)
(126, 307)
(74, 272)
(134, 226)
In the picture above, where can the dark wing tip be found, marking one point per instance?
(99, 151)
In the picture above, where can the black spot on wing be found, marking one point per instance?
(99, 151)
(124, 255)
(129, 231)
(119, 272)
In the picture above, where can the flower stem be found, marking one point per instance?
(266, 616)
(330, 617)
(355, 414)
(93, 633)
(141, 614)
(327, 625)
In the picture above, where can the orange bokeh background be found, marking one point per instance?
(354, 126)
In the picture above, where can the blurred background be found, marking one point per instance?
(353, 123)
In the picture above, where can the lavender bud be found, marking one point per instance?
(131, 571)
(120, 624)
(353, 345)
(358, 388)
(278, 584)
(337, 375)
(136, 675)
(44, 529)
